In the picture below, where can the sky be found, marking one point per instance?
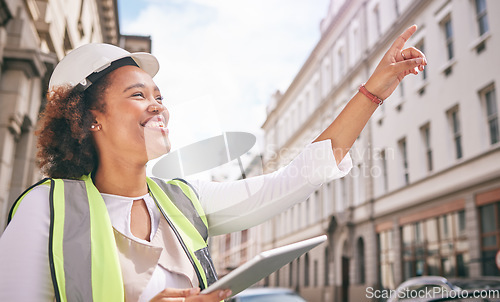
(225, 57)
(221, 60)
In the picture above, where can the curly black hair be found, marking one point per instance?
(66, 148)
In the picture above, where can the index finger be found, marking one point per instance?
(176, 292)
(214, 296)
(401, 40)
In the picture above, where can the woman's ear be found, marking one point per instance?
(95, 126)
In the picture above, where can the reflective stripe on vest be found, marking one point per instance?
(180, 206)
(82, 251)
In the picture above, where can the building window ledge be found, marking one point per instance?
(447, 68)
(380, 121)
(480, 43)
(421, 88)
(494, 146)
(380, 115)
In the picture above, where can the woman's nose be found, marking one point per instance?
(156, 108)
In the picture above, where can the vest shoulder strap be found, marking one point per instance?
(185, 198)
(16, 203)
(187, 183)
(81, 243)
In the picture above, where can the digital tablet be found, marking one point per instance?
(263, 265)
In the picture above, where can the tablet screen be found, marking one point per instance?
(263, 265)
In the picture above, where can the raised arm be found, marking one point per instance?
(397, 63)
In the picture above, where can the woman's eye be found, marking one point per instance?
(159, 99)
(138, 94)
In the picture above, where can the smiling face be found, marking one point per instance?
(134, 122)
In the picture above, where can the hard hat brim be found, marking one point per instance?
(146, 62)
(91, 58)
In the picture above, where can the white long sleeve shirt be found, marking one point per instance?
(229, 207)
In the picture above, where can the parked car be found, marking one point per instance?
(417, 289)
(484, 283)
(267, 294)
(437, 289)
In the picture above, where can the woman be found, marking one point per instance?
(114, 234)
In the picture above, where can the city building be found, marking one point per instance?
(231, 250)
(34, 36)
(423, 197)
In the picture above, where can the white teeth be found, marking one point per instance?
(154, 124)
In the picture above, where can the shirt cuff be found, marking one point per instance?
(321, 164)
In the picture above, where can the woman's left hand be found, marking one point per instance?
(190, 295)
(397, 63)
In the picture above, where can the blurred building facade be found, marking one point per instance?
(423, 197)
(231, 250)
(34, 36)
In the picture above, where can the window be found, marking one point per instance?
(328, 199)
(341, 62)
(326, 277)
(376, 15)
(421, 46)
(387, 259)
(286, 128)
(490, 237)
(80, 26)
(67, 44)
(436, 246)
(404, 158)
(228, 242)
(300, 112)
(413, 261)
(295, 215)
(244, 239)
(326, 77)
(358, 190)
(317, 92)
(448, 33)
(307, 104)
(290, 274)
(343, 189)
(280, 132)
(384, 170)
(490, 100)
(454, 121)
(354, 42)
(481, 17)
(306, 270)
(307, 213)
(426, 137)
(278, 220)
(315, 276)
(316, 206)
(361, 261)
(297, 280)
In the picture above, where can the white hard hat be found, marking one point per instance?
(87, 63)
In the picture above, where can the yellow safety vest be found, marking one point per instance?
(82, 251)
